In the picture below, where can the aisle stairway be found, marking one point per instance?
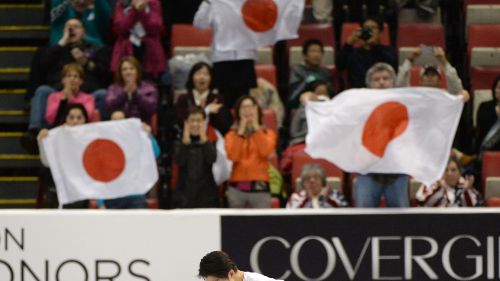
(22, 31)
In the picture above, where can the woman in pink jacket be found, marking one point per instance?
(136, 97)
(57, 104)
(138, 25)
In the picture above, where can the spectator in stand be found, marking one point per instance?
(72, 48)
(369, 188)
(248, 145)
(139, 26)
(234, 70)
(267, 96)
(195, 155)
(75, 115)
(311, 70)
(430, 75)
(95, 16)
(201, 93)
(57, 105)
(316, 192)
(452, 190)
(488, 120)
(322, 10)
(136, 97)
(357, 60)
(318, 91)
(134, 201)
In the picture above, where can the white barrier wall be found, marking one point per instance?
(348, 244)
(92, 245)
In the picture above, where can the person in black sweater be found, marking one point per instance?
(195, 156)
(357, 60)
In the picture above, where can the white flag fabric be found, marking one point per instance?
(399, 130)
(102, 160)
(251, 24)
(222, 167)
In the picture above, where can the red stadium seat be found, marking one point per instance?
(266, 71)
(187, 35)
(275, 203)
(269, 119)
(300, 158)
(483, 77)
(493, 202)
(483, 35)
(491, 166)
(323, 32)
(349, 27)
(415, 76)
(415, 34)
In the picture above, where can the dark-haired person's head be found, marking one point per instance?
(375, 27)
(217, 265)
(319, 88)
(129, 70)
(247, 107)
(495, 89)
(200, 77)
(195, 120)
(312, 51)
(75, 115)
(76, 30)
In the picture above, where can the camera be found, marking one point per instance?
(366, 33)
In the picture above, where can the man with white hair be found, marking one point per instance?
(369, 188)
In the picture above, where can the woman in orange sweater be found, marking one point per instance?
(248, 145)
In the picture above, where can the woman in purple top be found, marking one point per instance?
(138, 25)
(137, 98)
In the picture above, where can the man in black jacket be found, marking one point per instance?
(357, 60)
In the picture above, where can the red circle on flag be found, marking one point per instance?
(259, 15)
(386, 122)
(103, 160)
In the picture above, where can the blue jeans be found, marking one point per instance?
(39, 105)
(368, 192)
(100, 102)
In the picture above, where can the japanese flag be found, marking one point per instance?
(400, 130)
(102, 160)
(251, 24)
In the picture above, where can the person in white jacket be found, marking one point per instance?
(430, 76)
(233, 70)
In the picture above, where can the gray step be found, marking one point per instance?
(19, 161)
(18, 187)
(13, 117)
(10, 143)
(17, 203)
(12, 99)
(20, 74)
(21, 14)
(28, 32)
(16, 57)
